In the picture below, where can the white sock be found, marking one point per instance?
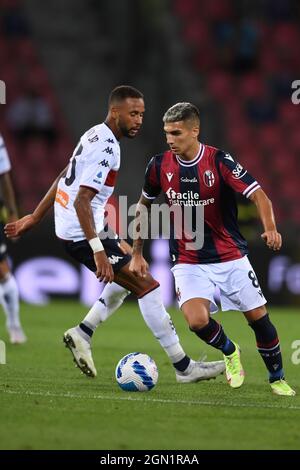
(9, 299)
(111, 299)
(161, 325)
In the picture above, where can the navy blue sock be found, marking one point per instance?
(213, 334)
(268, 347)
(183, 364)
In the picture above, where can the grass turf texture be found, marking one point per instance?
(45, 403)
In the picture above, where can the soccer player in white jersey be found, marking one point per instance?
(9, 293)
(80, 194)
(192, 174)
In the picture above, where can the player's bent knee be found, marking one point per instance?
(196, 320)
(139, 286)
(197, 324)
(146, 289)
(256, 313)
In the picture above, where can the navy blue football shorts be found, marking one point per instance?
(82, 252)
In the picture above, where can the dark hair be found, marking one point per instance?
(182, 112)
(120, 93)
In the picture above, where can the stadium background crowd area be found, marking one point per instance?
(235, 60)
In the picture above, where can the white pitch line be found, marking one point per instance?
(151, 400)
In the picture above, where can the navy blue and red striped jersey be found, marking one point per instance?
(210, 180)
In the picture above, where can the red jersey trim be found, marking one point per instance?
(111, 178)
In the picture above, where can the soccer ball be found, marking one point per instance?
(136, 372)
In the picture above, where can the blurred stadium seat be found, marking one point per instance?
(254, 58)
(26, 72)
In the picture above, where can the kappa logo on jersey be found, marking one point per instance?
(238, 172)
(169, 176)
(104, 163)
(108, 150)
(110, 141)
(114, 259)
(209, 178)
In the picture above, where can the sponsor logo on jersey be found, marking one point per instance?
(62, 198)
(209, 178)
(99, 175)
(238, 172)
(229, 157)
(104, 163)
(169, 176)
(93, 139)
(108, 150)
(110, 141)
(189, 180)
(189, 198)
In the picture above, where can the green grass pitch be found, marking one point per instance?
(45, 403)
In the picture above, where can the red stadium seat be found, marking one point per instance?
(270, 137)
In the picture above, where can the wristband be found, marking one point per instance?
(96, 244)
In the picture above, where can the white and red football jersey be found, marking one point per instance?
(94, 164)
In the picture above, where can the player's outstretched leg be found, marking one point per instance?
(214, 335)
(78, 339)
(81, 351)
(161, 325)
(269, 348)
(158, 320)
(196, 312)
(234, 370)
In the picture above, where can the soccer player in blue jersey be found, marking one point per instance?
(193, 174)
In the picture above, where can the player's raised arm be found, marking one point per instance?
(20, 226)
(264, 206)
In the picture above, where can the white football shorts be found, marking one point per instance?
(235, 280)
